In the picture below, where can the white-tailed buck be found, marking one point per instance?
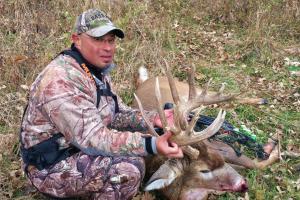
(203, 169)
(145, 91)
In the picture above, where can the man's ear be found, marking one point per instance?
(76, 40)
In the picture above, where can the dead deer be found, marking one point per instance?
(201, 170)
(146, 94)
(146, 85)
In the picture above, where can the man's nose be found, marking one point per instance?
(107, 46)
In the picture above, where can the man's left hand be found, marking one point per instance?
(169, 113)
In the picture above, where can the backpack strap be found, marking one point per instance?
(90, 70)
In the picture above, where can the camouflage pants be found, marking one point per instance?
(83, 175)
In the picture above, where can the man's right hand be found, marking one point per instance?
(166, 148)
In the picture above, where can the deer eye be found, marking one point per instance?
(205, 171)
(206, 174)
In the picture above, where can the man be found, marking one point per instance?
(77, 136)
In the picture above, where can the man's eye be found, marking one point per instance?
(112, 41)
(98, 38)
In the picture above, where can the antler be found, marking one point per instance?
(183, 129)
(185, 134)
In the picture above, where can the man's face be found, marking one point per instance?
(98, 51)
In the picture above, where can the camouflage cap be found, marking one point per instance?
(96, 24)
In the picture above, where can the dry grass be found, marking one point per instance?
(240, 42)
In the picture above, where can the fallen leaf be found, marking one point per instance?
(259, 195)
(20, 58)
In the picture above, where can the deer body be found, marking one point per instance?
(203, 169)
(145, 92)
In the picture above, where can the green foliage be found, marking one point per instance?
(126, 96)
(3, 128)
(246, 113)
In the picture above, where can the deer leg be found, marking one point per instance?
(274, 156)
(230, 156)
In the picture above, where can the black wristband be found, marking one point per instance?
(148, 145)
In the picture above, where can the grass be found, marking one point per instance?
(240, 43)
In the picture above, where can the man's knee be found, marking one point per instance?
(124, 178)
(131, 169)
(129, 175)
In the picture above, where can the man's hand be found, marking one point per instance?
(166, 148)
(163, 145)
(169, 116)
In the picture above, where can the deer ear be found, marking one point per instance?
(163, 177)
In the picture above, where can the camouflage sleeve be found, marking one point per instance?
(70, 106)
(130, 119)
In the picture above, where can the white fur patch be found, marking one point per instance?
(143, 73)
(206, 176)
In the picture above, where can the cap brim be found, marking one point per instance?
(100, 31)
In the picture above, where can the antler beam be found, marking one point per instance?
(183, 129)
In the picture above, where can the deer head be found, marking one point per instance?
(202, 167)
(189, 178)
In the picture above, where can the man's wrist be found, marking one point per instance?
(150, 145)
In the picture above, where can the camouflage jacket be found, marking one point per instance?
(63, 99)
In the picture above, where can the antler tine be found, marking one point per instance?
(205, 89)
(207, 99)
(148, 123)
(212, 129)
(172, 84)
(196, 137)
(176, 127)
(191, 81)
(180, 113)
(221, 89)
(159, 107)
(194, 120)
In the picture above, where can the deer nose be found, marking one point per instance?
(244, 187)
